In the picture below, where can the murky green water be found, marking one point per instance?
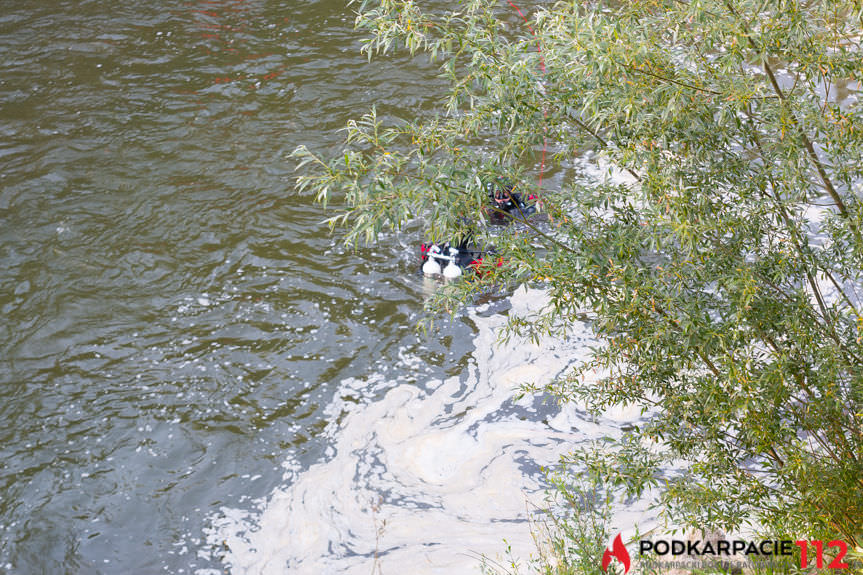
(174, 319)
(194, 376)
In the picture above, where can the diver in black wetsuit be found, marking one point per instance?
(505, 206)
(462, 254)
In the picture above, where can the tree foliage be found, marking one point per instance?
(722, 272)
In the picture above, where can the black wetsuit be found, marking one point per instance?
(467, 255)
(512, 206)
(504, 207)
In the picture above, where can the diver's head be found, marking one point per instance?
(500, 190)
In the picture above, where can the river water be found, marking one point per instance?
(196, 377)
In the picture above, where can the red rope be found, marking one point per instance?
(538, 47)
(542, 68)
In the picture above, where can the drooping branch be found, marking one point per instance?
(805, 140)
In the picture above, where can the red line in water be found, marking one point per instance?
(542, 68)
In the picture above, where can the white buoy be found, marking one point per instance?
(431, 267)
(451, 270)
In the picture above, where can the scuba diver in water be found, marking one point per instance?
(505, 206)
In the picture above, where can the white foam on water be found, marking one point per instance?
(426, 479)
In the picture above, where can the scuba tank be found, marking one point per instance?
(450, 260)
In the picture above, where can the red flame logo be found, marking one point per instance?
(620, 553)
